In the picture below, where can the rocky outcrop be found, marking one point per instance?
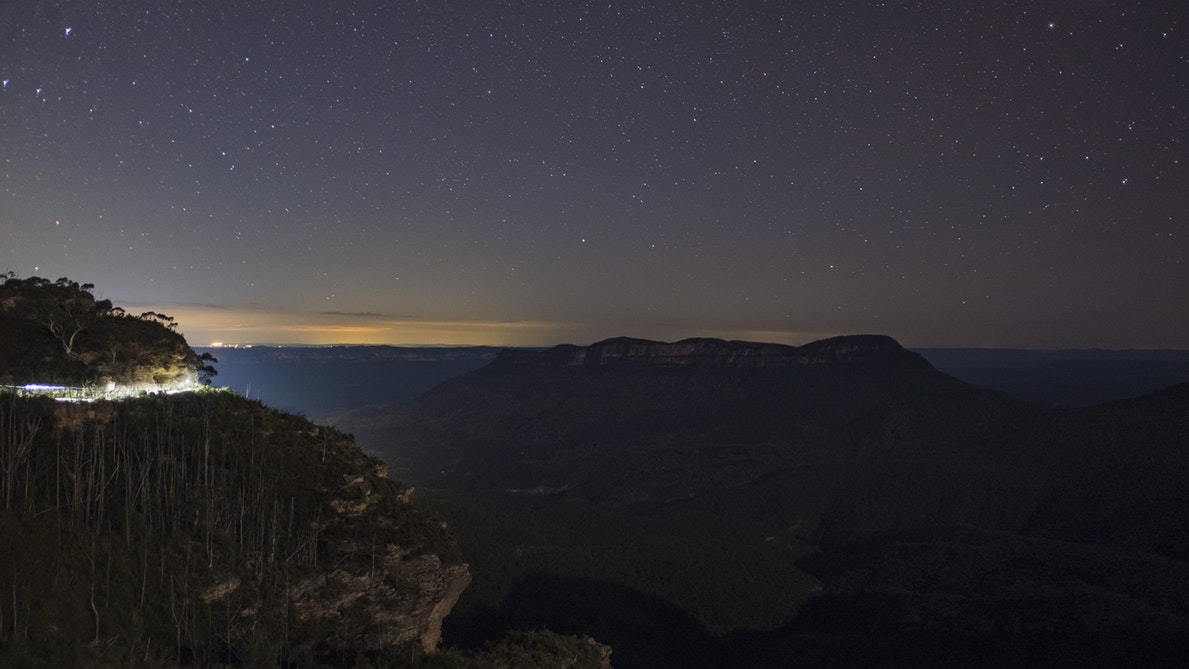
(397, 600)
(376, 596)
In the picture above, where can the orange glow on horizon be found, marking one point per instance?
(206, 325)
(203, 325)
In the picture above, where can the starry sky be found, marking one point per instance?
(1003, 174)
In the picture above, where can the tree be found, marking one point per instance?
(63, 307)
(206, 370)
(69, 315)
(154, 317)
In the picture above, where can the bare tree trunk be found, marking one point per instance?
(94, 577)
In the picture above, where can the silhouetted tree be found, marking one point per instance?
(206, 370)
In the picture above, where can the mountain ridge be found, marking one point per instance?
(746, 406)
(704, 351)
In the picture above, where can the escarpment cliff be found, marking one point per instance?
(382, 590)
(205, 528)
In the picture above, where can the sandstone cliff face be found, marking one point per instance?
(375, 596)
(401, 599)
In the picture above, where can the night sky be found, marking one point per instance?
(949, 173)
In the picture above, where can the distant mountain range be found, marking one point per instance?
(945, 523)
(828, 432)
(321, 381)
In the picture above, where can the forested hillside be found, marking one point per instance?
(200, 528)
(57, 332)
(207, 528)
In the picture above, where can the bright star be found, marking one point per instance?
(68, 31)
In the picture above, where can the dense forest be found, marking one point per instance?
(202, 528)
(197, 528)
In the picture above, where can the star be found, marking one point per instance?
(905, 167)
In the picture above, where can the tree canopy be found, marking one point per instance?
(58, 332)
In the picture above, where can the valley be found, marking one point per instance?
(828, 476)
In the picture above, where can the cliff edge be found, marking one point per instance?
(196, 528)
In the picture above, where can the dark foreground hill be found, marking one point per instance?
(829, 473)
